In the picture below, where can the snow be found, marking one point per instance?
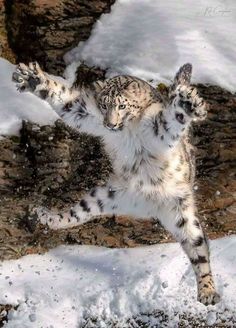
(71, 283)
(152, 39)
(16, 106)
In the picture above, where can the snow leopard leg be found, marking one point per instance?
(182, 222)
(107, 200)
(31, 78)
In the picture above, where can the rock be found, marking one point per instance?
(215, 141)
(5, 50)
(45, 30)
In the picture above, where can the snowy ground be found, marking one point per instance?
(152, 39)
(66, 285)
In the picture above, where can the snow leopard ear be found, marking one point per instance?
(130, 85)
(183, 76)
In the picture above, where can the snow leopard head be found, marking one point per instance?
(122, 100)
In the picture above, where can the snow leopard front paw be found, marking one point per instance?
(206, 290)
(187, 99)
(27, 78)
(208, 296)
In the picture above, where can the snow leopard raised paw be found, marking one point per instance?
(187, 98)
(27, 78)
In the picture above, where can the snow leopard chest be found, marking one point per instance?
(145, 173)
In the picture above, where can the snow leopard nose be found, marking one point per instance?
(110, 126)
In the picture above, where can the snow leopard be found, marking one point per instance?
(146, 136)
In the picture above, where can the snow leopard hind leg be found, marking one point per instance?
(100, 201)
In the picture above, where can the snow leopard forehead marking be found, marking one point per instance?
(115, 88)
(137, 93)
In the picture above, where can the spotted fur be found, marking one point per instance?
(146, 137)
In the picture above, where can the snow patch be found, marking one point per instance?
(152, 39)
(71, 283)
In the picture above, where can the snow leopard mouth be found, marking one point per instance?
(114, 128)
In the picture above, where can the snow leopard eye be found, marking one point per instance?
(104, 106)
(122, 106)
